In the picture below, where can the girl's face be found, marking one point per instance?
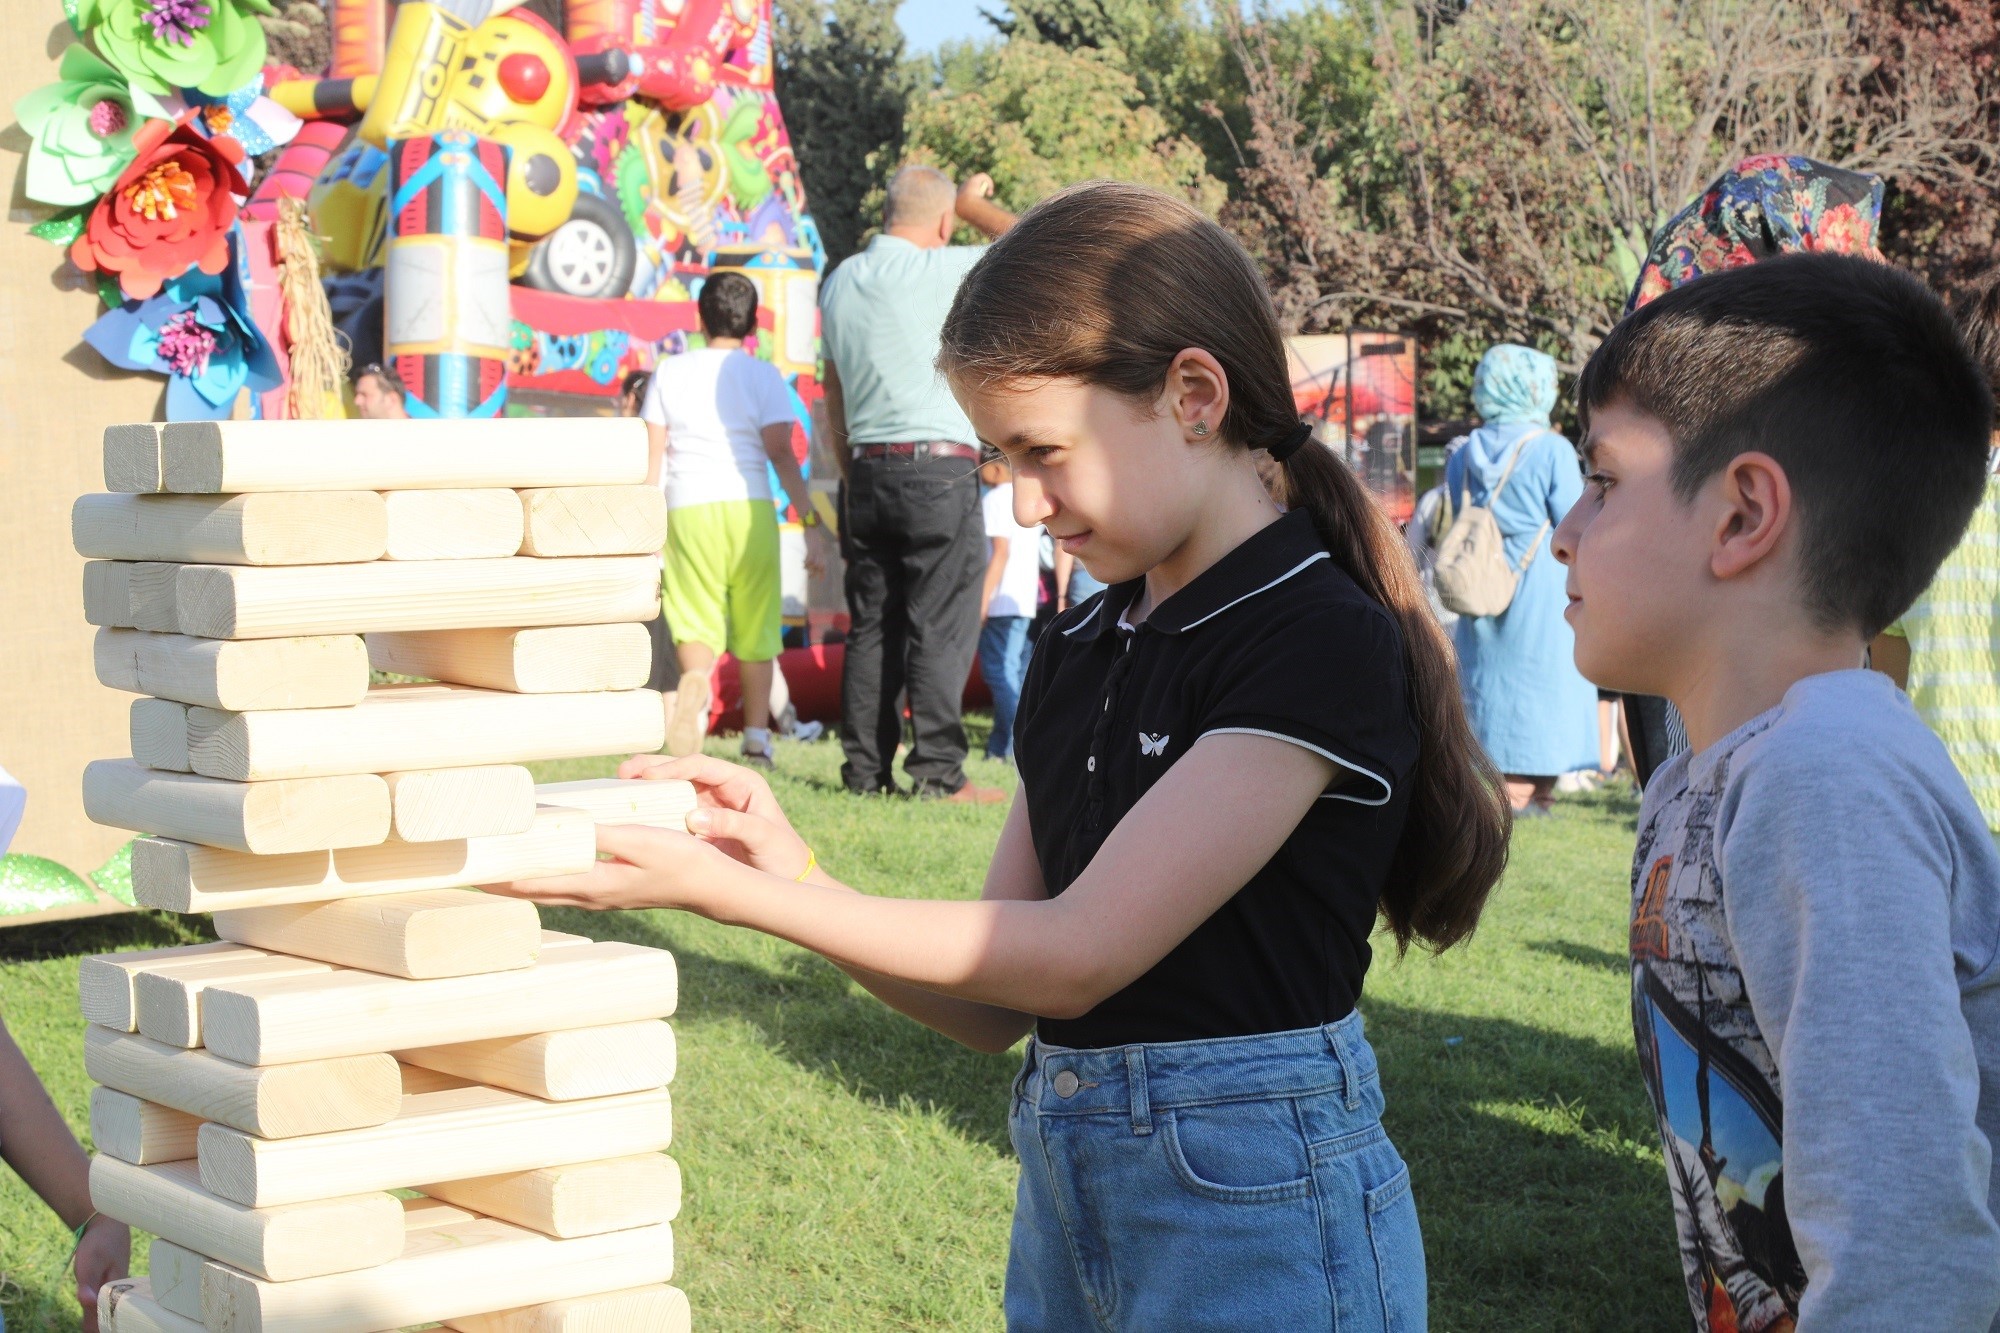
(1119, 484)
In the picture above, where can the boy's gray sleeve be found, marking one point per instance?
(1837, 893)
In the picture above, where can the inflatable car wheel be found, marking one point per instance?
(592, 254)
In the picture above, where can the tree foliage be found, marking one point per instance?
(844, 86)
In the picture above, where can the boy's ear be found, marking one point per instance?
(1756, 498)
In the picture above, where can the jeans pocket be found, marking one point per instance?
(1398, 1244)
(1238, 1152)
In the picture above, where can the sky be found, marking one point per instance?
(927, 24)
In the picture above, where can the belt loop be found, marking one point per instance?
(1350, 1088)
(1135, 1076)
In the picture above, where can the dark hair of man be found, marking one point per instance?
(634, 383)
(383, 375)
(1851, 375)
(1978, 313)
(728, 306)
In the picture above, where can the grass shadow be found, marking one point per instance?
(101, 934)
(1583, 955)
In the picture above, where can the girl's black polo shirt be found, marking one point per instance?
(1273, 639)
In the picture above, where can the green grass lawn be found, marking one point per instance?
(849, 1170)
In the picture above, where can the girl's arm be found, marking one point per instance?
(996, 566)
(1207, 826)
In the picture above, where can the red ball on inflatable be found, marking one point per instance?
(524, 77)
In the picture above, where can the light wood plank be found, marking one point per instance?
(176, 1275)
(127, 1306)
(153, 604)
(436, 933)
(300, 815)
(241, 602)
(132, 457)
(418, 726)
(174, 876)
(562, 1066)
(582, 1199)
(104, 982)
(440, 804)
(169, 1003)
(351, 1013)
(656, 1309)
(320, 528)
(138, 1131)
(458, 1133)
(282, 1244)
(159, 735)
(624, 800)
(560, 659)
(446, 1271)
(205, 457)
(324, 671)
(594, 520)
(454, 524)
(107, 594)
(273, 1102)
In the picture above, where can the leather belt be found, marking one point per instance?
(918, 449)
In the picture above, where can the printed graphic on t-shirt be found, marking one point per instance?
(1712, 1079)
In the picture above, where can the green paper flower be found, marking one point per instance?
(82, 127)
(212, 46)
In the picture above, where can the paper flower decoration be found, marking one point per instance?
(82, 127)
(197, 331)
(170, 208)
(247, 116)
(212, 46)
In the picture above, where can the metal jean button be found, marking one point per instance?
(1065, 1083)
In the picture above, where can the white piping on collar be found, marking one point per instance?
(1310, 560)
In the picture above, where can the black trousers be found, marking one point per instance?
(915, 548)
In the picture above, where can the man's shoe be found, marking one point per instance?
(690, 720)
(766, 760)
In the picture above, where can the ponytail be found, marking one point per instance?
(1142, 277)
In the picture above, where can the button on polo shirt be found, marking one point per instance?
(1272, 640)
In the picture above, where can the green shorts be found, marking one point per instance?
(721, 586)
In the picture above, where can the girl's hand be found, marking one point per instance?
(104, 1255)
(734, 811)
(649, 867)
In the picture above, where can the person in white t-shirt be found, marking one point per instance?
(1007, 601)
(719, 419)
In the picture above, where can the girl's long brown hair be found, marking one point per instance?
(1107, 283)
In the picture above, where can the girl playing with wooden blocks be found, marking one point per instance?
(1233, 761)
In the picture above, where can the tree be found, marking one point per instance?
(844, 87)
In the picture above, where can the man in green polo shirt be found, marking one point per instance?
(911, 530)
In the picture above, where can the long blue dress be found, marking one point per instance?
(1530, 707)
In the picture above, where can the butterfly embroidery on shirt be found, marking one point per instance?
(1151, 746)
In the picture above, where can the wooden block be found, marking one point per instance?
(153, 604)
(439, 804)
(352, 1013)
(176, 1275)
(274, 1102)
(301, 815)
(205, 457)
(325, 671)
(583, 1199)
(319, 528)
(127, 1306)
(104, 981)
(175, 876)
(655, 1309)
(560, 659)
(417, 1079)
(169, 1003)
(159, 735)
(454, 1134)
(107, 593)
(422, 726)
(240, 602)
(447, 1270)
(624, 800)
(283, 1244)
(561, 1066)
(594, 520)
(436, 933)
(132, 458)
(455, 524)
(138, 1131)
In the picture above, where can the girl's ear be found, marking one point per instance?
(1197, 393)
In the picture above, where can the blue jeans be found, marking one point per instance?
(1240, 1183)
(1003, 664)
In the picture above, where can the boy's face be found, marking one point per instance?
(1638, 556)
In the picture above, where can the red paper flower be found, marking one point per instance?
(170, 209)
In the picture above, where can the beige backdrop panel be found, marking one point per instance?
(56, 398)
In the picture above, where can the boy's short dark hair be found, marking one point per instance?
(1852, 376)
(1978, 313)
(728, 306)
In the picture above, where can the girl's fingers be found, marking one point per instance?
(765, 845)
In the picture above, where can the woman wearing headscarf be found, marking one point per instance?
(1760, 208)
(1534, 712)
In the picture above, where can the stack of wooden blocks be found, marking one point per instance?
(383, 1099)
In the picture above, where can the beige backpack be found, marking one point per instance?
(1472, 575)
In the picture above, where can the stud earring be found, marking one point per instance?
(1201, 428)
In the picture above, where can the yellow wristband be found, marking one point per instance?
(812, 864)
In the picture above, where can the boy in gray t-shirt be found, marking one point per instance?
(1816, 902)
